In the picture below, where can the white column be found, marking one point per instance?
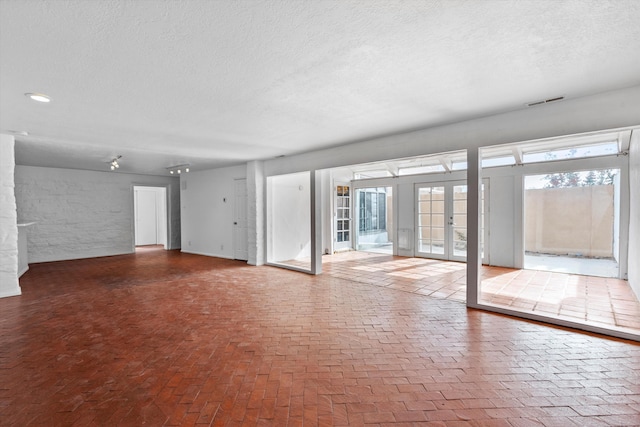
(316, 221)
(256, 213)
(633, 253)
(9, 285)
(474, 217)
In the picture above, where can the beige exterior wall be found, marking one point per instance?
(574, 221)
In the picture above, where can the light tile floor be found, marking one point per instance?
(571, 265)
(597, 301)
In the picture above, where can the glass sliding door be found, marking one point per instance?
(374, 219)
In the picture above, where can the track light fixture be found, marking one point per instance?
(178, 169)
(114, 163)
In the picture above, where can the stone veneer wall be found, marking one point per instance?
(84, 214)
(9, 285)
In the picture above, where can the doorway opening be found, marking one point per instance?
(150, 216)
(571, 221)
(374, 219)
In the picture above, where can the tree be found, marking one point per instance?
(573, 179)
(605, 177)
(591, 178)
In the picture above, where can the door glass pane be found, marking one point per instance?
(459, 221)
(437, 233)
(437, 247)
(425, 246)
(425, 233)
(437, 206)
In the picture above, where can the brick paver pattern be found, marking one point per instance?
(165, 338)
(596, 301)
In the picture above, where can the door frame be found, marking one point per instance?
(236, 228)
(449, 254)
(167, 214)
(346, 244)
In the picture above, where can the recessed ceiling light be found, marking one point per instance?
(40, 97)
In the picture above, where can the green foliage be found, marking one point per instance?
(573, 179)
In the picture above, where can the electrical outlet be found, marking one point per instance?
(189, 242)
(222, 247)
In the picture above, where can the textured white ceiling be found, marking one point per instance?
(214, 83)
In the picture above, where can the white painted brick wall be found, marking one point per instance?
(9, 285)
(255, 216)
(83, 214)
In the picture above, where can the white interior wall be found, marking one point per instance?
(207, 210)
(609, 110)
(404, 195)
(503, 226)
(83, 214)
(634, 213)
(617, 200)
(161, 209)
(327, 200)
(9, 285)
(288, 219)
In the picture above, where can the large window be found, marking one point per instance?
(373, 210)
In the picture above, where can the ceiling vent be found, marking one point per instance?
(545, 101)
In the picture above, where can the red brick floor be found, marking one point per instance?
(597, 301)
(164, 338)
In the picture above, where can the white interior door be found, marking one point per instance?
(240, 234)
(342, 217)
(146, 218)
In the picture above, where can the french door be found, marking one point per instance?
(342, 233)
(441, 220)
